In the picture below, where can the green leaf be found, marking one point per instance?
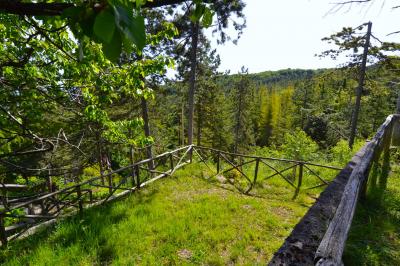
(131, 25)
(113, 49)
(104, 26)
(207, 18)
(197, 13)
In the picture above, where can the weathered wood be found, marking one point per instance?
(201, 159)
(218, 162)
(239, 166)
(194, 28)
(76, 205)
(146, 127)
(216, 151)
(300, 246)
(396, 125)
(3, 235)
(118, 188)
(299, 181)
(256, 171)
(137, 175)
(110, 183)
(331, 248)
(280, 172)
(79, 195)
(314, 173)
(189, 149)
(72, 188)
(360, 87)
(171, 161)
(235, 167)
(29, 216)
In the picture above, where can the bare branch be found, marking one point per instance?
(352, 2)
(396, 32)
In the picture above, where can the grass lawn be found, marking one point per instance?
(179, 220)
(375, 233)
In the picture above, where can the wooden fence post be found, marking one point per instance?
(3, 235)
(133, 176)
(256, 171)
(137, 176)
(79, 194)
(387, 140)
(191, 154)
(171, 161)
(299, 181)
(218, 163)
(110, 184)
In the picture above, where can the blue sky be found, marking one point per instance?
(287, 33)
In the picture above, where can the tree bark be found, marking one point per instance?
(199, 125)
(145, 115)
(183, 125)
(396, 126)
(192, 81)
(238, 115)
(100, 156)
(360, 87)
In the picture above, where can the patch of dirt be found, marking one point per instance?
(247, 207)
(184, 254)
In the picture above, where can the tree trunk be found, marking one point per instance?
(100, 157)
(238, 115)
(396, 125)
(145, 115)
(183, 125)
(192, 81)
(360, 88)
(199, 125)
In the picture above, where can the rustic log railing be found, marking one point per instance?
(46, 208)
(320, 236)
(236, 162)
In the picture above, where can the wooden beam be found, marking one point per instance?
(331, 248)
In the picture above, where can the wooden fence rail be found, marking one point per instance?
(331, 248)
(235, 161)
(47, 207)
(320, 236)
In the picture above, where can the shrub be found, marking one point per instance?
(299, 146)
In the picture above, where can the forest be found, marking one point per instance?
(86, 88)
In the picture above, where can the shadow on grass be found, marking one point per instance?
(88, 231)
(374, 237)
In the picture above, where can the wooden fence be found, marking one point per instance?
(46, 208)
(318, 239)
(320, 236)
(226, 162)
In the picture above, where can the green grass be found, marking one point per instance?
(374, 237)
(180, 220)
